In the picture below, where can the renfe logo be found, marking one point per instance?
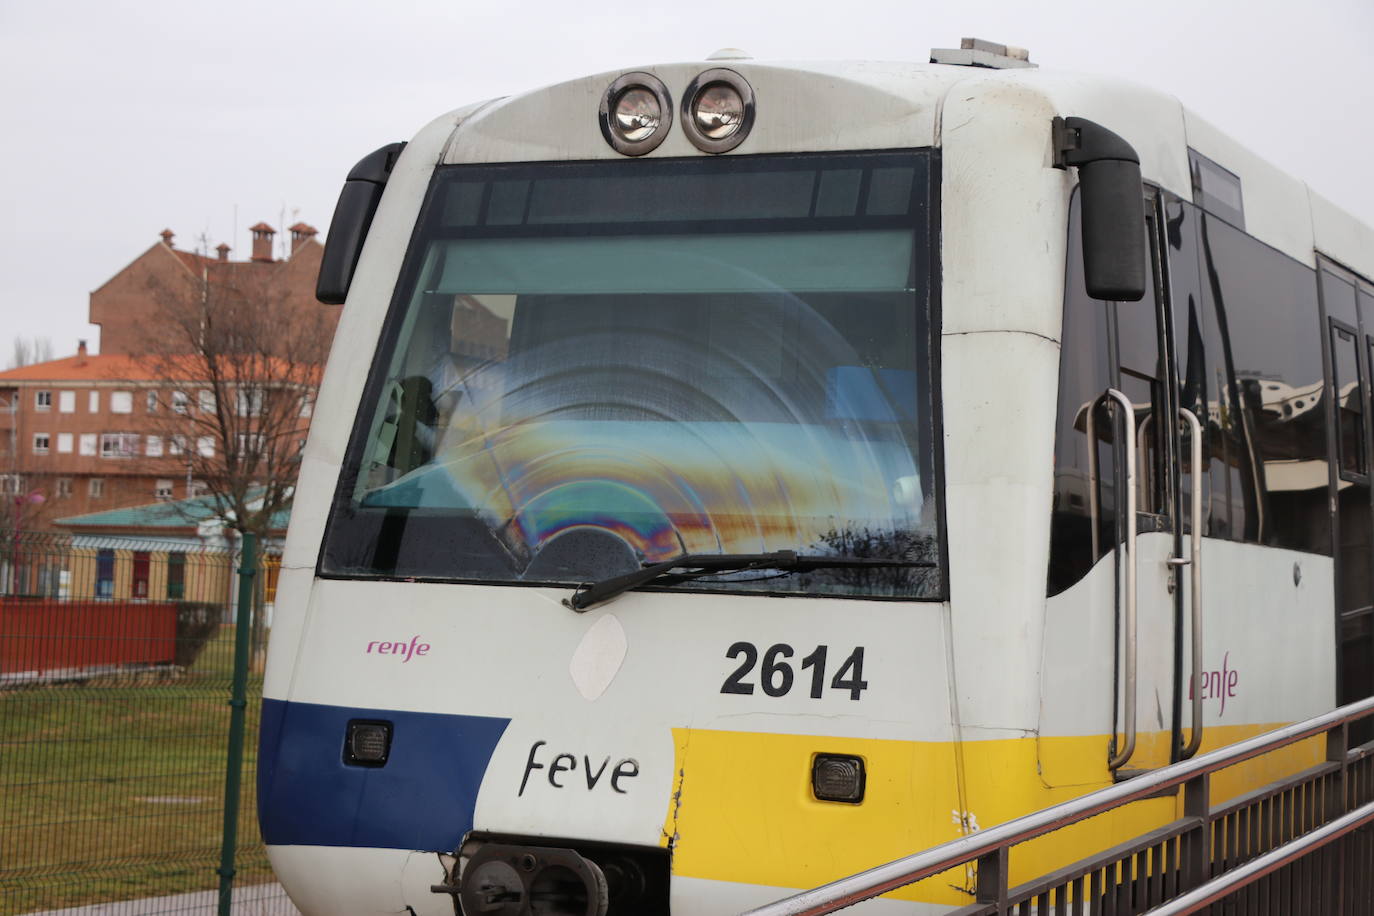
(409, 650)
(1217, 684)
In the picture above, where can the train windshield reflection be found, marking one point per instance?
(565, 401)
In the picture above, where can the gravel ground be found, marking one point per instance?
(259, 900)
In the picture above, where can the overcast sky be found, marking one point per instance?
(122, 119)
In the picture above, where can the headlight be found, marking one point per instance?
(718, 110)
(636, 113)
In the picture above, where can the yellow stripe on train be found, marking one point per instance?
(742, 808)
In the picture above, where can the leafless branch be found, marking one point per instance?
(238, 367)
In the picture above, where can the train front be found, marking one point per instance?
(680, 315)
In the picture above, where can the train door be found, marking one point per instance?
(1348, 307)
(1115, 527)
(1147, 675)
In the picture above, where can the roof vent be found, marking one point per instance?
(975, 52)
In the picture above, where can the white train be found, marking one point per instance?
(700, 505)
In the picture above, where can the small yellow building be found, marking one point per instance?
(164, 551)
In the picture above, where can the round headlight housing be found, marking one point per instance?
(636, 113)
(718, 110)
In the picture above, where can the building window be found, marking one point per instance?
(307, 405)
(180, 402)
(40, 443)
(249, 402)
(152, 447)
(64, 487)
(251, 444)
(176, 576)
(141, 565)
(163, 490)
(94, 402)
(64, 443)
(88, 444)
(118, 445)
(196, 488)
(151, 402)
(9, 484)
(104, 573)
(205, 401)
(121, 402)
(205, 446)
(42, 400)
(176, 445)
(66, 402)
(96, 488)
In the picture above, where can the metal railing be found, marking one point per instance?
(1207, 854)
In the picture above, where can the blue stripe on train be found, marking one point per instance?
(422, 799)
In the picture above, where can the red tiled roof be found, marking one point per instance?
(79, 368)
(121, 367)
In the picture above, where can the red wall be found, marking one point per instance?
(44, 637)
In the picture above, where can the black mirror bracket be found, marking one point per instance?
(1113, 207)
(1078, 141)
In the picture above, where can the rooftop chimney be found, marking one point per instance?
(81, 352)
(223, 250)
(167, 237)
(262, 241)
(300, 233)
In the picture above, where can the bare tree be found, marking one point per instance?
(235, 371)
(20, 506)
(26, 352)
(237, 365)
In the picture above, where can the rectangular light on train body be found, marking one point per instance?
(838, 778)
(367, 743)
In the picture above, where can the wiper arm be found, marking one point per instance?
(706, 563)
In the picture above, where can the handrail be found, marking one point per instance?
(1194, 560)
(1128, 704)
(1252, 871)
(910, 869)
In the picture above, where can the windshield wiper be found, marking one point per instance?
(702, 564)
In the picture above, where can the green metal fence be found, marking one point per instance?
(117, 661)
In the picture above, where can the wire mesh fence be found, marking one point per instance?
(116, 661)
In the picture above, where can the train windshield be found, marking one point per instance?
(589, 367)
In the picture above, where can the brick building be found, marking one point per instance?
(87, 433)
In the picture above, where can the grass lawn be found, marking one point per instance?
(113, 789)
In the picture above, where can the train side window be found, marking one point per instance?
(1338, 295)
(1216, 189)
(1268, 421)
(1369, 361)
(1086, 370)
(1350, 408)
(1248, 338)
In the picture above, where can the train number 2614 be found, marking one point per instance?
(776, 675)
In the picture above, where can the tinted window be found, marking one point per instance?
(1345, 357)
(1248, 340)
(1215, 189)
(1087, 368)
